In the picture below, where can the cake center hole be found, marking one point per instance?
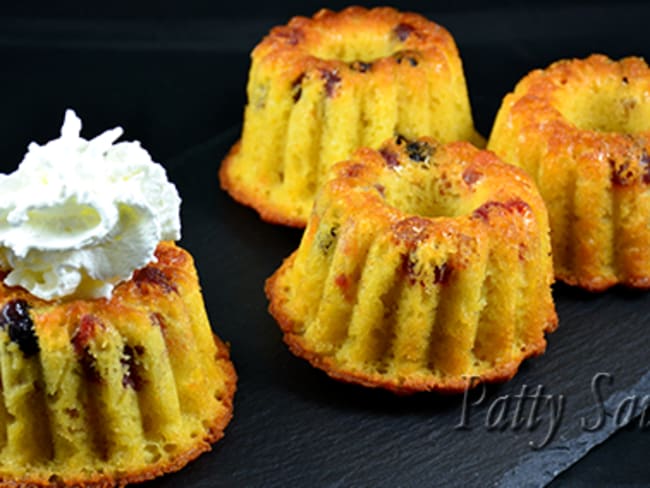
(362, 45)
(607, 107)
(424, 191)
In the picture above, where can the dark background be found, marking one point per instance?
(173, 74)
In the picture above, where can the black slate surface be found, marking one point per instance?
(295, 426)
(173, 75)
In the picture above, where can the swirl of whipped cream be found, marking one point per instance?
(77, 217)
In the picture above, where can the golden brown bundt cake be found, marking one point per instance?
(422, 265)
(581, 128)
(321, 87)
(107, 392)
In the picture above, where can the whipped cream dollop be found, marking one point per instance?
(77, 217)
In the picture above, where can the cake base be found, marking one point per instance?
(110, 392)
(405, 386)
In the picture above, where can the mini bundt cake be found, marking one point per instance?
(321, 87)
(581, 128)
(422, 266)
(108, 392)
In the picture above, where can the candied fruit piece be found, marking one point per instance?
(20, 327)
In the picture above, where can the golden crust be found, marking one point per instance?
(602, 164)
(267, 211)
(169, 275)
(298, 347)
(354, 190)
(292, 45)
(311, 87)
(173, 268)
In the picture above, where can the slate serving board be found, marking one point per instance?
(294, 426)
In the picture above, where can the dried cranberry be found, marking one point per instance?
(332, 79)
(81, 338)
(442, 273)
(523, 251)
(291, 35)
(131, 377)
(483, 212)
(390, 157)
(296, 88)
(645, 168)
(412, 231)
(622, 174)
(15, 311)
(154, 276)
(517, 205)
(403, 31)
(471, 176)
(408, 268)
(85, 332)
(89, 366)
(72, 412)
(353, 170)
(343, 282)
(16, 320)
(419, 151)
